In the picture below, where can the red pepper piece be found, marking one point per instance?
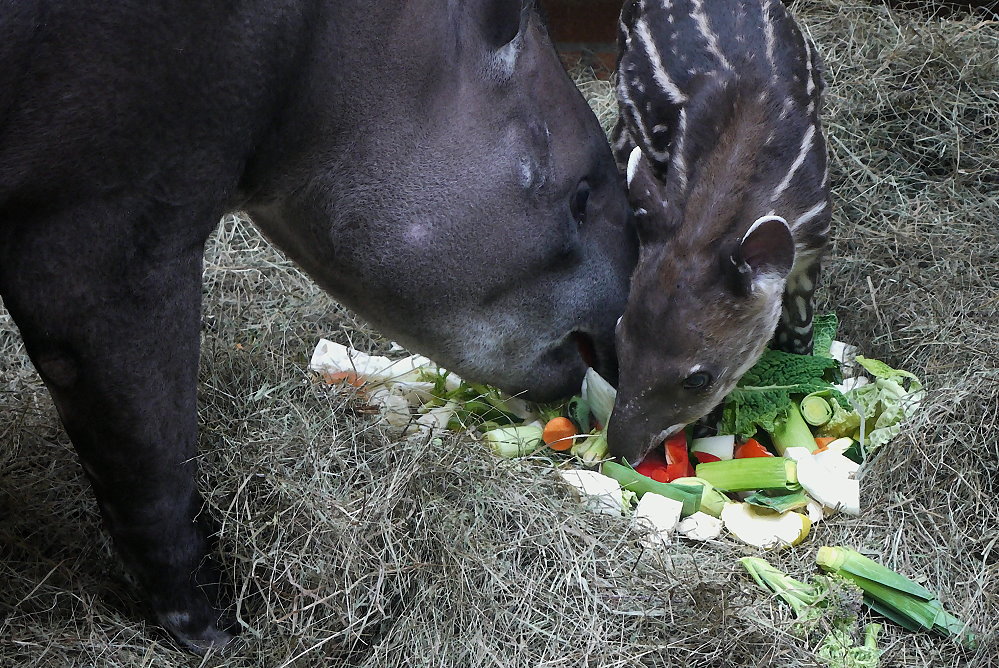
(678, 457)
(704, 457)
(751, 448)
(654, 466)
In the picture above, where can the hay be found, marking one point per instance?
(348, 547)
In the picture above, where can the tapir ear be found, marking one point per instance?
(647, 197)
(501, 21)
(765, 253)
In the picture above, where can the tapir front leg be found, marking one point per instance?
(794, 329)
(110, 315)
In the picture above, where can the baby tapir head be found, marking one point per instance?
(698, 316)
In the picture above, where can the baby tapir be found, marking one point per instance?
(719, 132)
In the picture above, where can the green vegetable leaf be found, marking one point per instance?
(823, 332)
(762, 397)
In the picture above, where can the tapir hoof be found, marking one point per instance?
(198, 633)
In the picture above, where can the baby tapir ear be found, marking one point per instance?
(766, 253)
(647, 197)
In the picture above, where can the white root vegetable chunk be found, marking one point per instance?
(659, 514)
(831, 489)
(598, 492)
(700, 526)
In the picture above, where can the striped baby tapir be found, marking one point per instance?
(720, 138)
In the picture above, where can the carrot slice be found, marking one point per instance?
(348, 377)
(558, 433)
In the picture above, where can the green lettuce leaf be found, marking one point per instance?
(762, 397)
(823, 332)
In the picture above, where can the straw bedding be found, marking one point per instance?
(350, 546)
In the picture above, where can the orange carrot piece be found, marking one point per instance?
(558, 433)
(823, 442)
(348, 377)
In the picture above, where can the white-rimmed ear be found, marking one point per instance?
(633, 158)
(765, 253)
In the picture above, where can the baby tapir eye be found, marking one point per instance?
(579, 201)
(697, 381)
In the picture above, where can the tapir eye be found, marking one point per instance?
(697, 381)
(579, 201)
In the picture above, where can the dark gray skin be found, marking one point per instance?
(429, 163)
(720, 135)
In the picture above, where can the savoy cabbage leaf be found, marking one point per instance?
(763, 395)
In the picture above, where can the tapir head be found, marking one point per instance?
(461, 196)
(702, 308)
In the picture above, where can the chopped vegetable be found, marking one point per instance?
(658, 513)
(630, 479)
(764, 529)
(559, 433)
(599, 396)
(712, 501)
(591, 449)
(762, 396)
(597, 491)
(700, 526)
(514, 441)
(740, 475)
(792, 431)
(831, 488)
(719, 447)
(654, 465)
(838, 651)
(823, 441)
(824, 328)
(800, 596)
(827, 602)
(816, 409)
(751, 448)
(892, 594)
(677, 457)
(778, 501)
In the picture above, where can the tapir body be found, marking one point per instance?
(429, 163)
(720, 134)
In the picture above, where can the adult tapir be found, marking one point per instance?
(426, 161)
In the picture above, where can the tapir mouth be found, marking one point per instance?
(587, 349)
(657, 440)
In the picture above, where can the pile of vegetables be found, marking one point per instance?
(795, 434)
(793, 439)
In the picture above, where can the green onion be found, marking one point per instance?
(751, 473)
(630, 479)
(892, 594)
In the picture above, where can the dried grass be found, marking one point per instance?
(349, 547)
